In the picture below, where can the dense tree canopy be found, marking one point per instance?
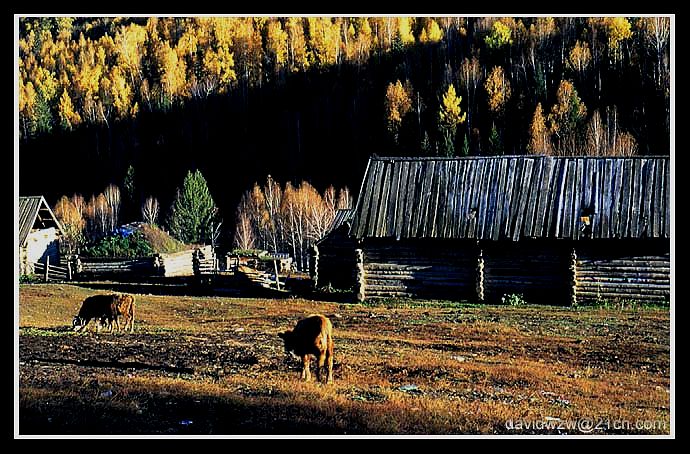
(312, 98)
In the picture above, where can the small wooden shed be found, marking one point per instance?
(554, 229)
(39, 233)
(332, 258)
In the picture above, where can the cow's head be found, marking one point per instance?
(78, 323)
(287, 337)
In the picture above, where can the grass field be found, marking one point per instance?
(215, 366)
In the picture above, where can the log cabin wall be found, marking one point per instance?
(620, 270)
(422, 268)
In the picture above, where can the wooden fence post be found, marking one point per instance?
(69, 270)
(360, 284)
(480, 276)
(275, 267)
(47, 267)
(315, 266)
(573, 278)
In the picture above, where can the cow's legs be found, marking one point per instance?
(322, 361)
(306, 374)
(329, 354)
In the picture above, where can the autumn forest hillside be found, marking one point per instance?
(312, 98)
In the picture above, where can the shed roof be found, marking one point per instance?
(343, 217)
(514, 197)
(34, 213)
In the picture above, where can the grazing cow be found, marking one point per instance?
(312, 336)
(123, 305)
(96, 307)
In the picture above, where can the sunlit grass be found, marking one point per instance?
(400, 369)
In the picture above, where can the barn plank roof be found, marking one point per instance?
(34, 212)
(342, 217)
(513, 197)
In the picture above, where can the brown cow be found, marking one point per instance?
(123, 305)
(312, 336)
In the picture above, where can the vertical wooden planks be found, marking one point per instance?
(425, 199)
(484, 200)
(636, 217)
(410, 200)
(541, 228)
(402, 209)
(466, 200)
(648, 170)
(617, 188)
(607, 182)
(437, 202)
(558, 209)
(451, 189)
(667, 199)
(392, 201)
(505, 209)
(626, 202)
(362, 217)
(474, 202)
(383, 200)
(521, 205)
(532, 201)
(658, 193)
(499, 188)
(567, 205)
(578, 190)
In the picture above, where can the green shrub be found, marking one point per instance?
(130, 246)
(29, 279)
(513, 299)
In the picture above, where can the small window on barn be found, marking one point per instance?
(586, 218)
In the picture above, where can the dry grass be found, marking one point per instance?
(431, 369)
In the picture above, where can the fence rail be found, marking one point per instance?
(50, 272)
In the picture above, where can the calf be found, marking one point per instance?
(97, 307)
(312, 336)
(123, 305)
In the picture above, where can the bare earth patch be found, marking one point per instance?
(215, 366)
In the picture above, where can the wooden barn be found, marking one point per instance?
(39, 233)
(556, 230)
(332, 259)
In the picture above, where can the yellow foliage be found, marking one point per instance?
(27, 98)
(539, 141)
(568, 111)
(297, 44)
(277, 43)
(450, 115)
(618, 29)
(45, 83)
(542, 29)
(501, 35)
(405, 30)
(398, 104)
(579, 56)
(69, 118)
(120, 92)
(219, 67)
(497, 88)
(173, 76)
(324, 40)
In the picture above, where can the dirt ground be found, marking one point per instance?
(215, 366)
